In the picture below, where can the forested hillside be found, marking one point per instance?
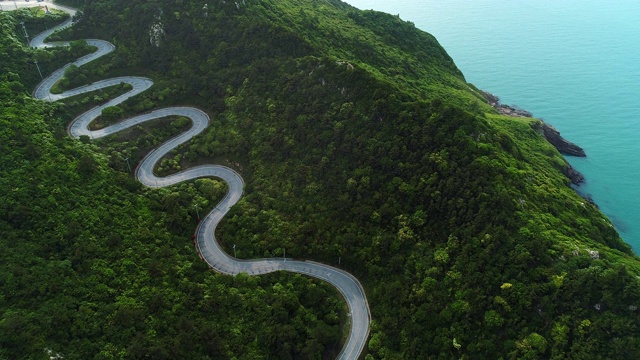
(93, 266)
(361, 145)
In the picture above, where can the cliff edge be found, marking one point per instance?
(550, 133)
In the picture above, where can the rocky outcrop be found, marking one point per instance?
(511, 111)
(549, 132)
(565, 147)
(504, 109)
(574, 175)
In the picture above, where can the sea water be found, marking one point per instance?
(573, 63)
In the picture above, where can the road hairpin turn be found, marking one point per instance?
(206, 242)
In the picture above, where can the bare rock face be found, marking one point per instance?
(565, 147)
(511, 111)
(574, 175)
(156, 34)
(491, 99)
(156, 31)
(504, 109)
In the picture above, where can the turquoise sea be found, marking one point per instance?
(573, 63)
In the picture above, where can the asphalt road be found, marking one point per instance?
(207, 245)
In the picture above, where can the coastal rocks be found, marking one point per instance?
(549, 132)
(574, 175)
(565, 147)
(511, 111)
(504, 109)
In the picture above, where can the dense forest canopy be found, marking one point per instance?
(361, 145)
(93, 266)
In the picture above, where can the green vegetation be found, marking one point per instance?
(360, 143)
(93, 266)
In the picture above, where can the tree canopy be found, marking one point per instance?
(361, 145)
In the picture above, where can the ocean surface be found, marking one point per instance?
(573, 63)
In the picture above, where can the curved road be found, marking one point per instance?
(207, 245)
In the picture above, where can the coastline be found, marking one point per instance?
(565, 147)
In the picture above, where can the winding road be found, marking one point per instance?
(206, 242)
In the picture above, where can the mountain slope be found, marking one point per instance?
(363, 146)
(92, 265)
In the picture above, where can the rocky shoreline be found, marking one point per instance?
(549, 132)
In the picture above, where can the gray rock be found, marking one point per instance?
(574, 175)
(549, 132)
(565, 147)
